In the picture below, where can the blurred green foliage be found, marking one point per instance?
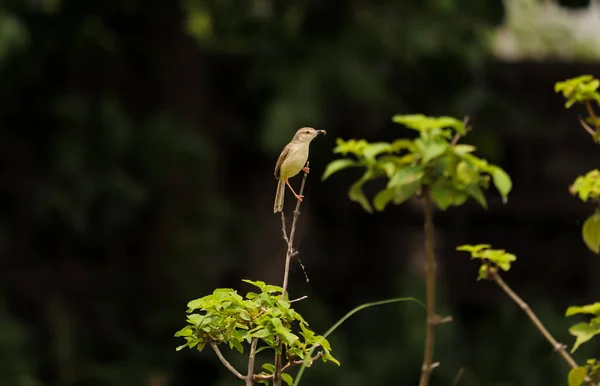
(95, 156)
(432, 161)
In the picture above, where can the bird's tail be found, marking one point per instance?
(278, 206)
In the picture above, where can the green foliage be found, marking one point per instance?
(591, 232)
(226, 317)
(432, 161)
(581, 89)
(587, 186)
(491, 259)
(585, 331)
(577, 375)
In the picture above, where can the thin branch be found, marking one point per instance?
(300, 298)
(290, 239)
(224, 361)
(587, 127)
(558, 347)
(430, 276)
(592, 114)
(258, 377)
(251, 360)
(288, 257)
(457, 135)
(458, 376)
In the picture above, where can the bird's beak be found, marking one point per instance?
(321, 132)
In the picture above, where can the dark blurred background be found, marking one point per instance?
(137, 145)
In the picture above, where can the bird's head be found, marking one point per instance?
(307, 134)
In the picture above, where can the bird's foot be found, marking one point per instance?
(306, 170)
(299, 197)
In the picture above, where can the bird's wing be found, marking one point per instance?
(282, 157)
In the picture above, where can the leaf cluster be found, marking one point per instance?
(578, 375)
(587, 187)
(491, 259)
(585, 331)
(580, 89)
(433, 160)
(228, 318)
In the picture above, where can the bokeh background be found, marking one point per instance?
(137, 145)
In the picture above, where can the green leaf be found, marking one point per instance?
(397, 194)
(473, 249)
(476, 193)
(483, 272)
(445, 196)
(269, 367)
(583, 332)
(431, 149)
(502, 181)
(591, 232)
(593, 309)
(406, 175)
(466, 173)
(337, 165)
(577, 376)
(383, 198)
(287, 379)
(374, 149)
(356, 193)
(462, 149)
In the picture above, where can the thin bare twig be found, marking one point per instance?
(300, 298)
(592, 114)
(430, 276)
(251, 360)
(587, 127)
(225, 362)
(457, 135)
(558, 347)
(458, 376)
(288, 257)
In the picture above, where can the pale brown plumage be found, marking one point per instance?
(291, 161)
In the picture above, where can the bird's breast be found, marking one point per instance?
(294, 162)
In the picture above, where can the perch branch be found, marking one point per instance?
(558, 347)
(288, 257)
(225, 362)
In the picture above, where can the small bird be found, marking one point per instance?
(291, 161)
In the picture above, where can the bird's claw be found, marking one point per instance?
(299, 197)
(306, 170)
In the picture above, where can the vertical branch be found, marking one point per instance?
(430, 276)
(251, 359)
(288, 257)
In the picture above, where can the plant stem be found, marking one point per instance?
(251, 359)
(590, 110)
(430, 276)
(288, 257)
(560, 348)
(225, 362)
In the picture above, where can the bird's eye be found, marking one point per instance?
(307, 132)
